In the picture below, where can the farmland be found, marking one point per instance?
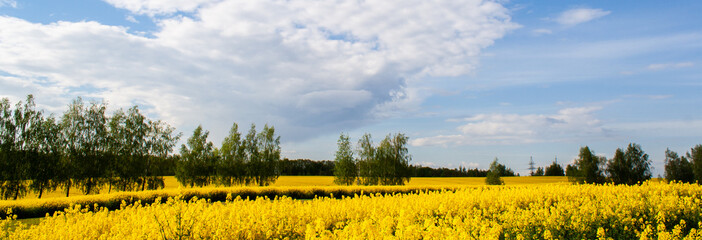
(518, 211)
(296, 181)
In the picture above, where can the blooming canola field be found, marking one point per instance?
(171, 183)
(544, 211)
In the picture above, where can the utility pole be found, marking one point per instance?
(531, 166)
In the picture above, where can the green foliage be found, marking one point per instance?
(502, 170)
(571, 171)
(554, 169)
(269, 152)
(394, 159)
(493, 175)
(20, 143)
(128, 147)
(630, 167)
(161, 140)
(252, 160)
(197, 160)
(640, 164)
(386, 164)
(678, 168)
(86, 148)
(539, 171)
(618, 168)
(46, 165)
(366, 161)
(345, 170)
(86, 132)
(695, 157)
(588, 167)
(231, 169)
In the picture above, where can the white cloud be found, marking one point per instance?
(664, 66)
(580, 15)
(154, 7)
(306, 67)
(8, 3)
(541, 31)
(131, 18)
(483, 129)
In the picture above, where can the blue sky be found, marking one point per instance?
(468, 81)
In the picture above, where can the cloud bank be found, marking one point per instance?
(306, 67)
(487, 129)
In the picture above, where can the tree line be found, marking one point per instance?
(84, 148)
(633, 166)
(684, 169)
(384, 164)
(251, 159)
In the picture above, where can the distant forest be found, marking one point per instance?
(307, 167)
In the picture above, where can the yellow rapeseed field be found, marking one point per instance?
(295, 181)
(542, 211)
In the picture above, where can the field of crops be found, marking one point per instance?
(537, 211)
(296, 181)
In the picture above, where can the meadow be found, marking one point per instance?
(653, 210)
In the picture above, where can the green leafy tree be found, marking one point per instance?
(639, 164)
(45, 167)
(695, 157)
(618, 168)
(393, 160)
(367, 162)
(589, 167)
(678, 168)
(345, 170)
(72, 125)
(20, 146)
(92, 161)
(140, 150)
(554, 169)
(571, 171)
(231, 169)
(493, 175)
(269, 156)
(253, 157)
(504, 171)
(539, 171)
(128, 147)
(161, 139)
(117, 149)
(197, 159)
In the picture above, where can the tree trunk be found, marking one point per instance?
(41, 190)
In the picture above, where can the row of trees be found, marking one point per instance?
(384, 164)
(85, 148)
(252, 159)
(630, 166)
(306, 167)
(422, 171)
(684, 169)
